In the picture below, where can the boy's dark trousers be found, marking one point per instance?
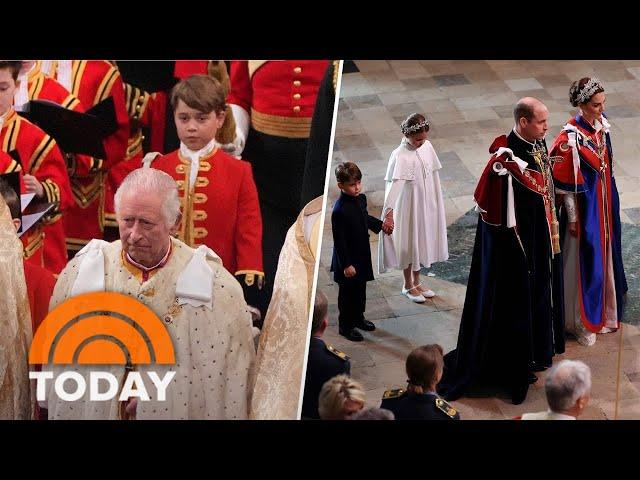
(352, 300)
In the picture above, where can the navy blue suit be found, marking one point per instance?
(351, 223)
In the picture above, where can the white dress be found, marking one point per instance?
(413, 192)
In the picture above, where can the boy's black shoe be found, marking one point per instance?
(353, 335)
(366, 325)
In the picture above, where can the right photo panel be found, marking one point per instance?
(479, 256)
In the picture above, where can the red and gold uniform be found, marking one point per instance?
(273, 104)
(40, 157)
(279, 96)
(221, 210)
(9, 165)
(43, 87)
(34, 240)
(92, 82)
(144, 109)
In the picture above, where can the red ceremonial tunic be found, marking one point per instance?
(41, 157)
(221, 211)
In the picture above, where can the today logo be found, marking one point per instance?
(101, 328)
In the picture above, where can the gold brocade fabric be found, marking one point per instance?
(214, 348)
(284, 337)
(16, 396)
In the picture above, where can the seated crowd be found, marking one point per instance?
(331, 394)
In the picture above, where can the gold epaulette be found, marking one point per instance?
(445, 407)
(338, 353)
(393, 393)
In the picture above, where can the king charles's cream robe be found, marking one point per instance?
(212, 337)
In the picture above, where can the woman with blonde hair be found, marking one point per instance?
(340, 398)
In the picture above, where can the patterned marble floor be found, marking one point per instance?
(468, 104)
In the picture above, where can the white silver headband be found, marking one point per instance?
(414, 128)
(588, 89)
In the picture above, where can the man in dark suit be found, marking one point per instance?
(324, 362)
(351, 263)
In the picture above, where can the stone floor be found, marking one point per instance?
(469, 103)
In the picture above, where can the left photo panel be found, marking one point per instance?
(159, 236)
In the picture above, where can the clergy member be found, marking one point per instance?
(16, 401)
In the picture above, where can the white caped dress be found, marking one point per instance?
(413, 192)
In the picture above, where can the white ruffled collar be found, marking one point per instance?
(194, 156)
(203, 152)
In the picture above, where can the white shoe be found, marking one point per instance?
(413, 298)
(428, 294)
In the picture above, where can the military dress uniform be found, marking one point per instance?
(220, 211)
(43, 87)
(39, 156)
(324, 362)
(273, 104)
(146, 111)
(411, 406)
(93, 81)
(147, 115)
